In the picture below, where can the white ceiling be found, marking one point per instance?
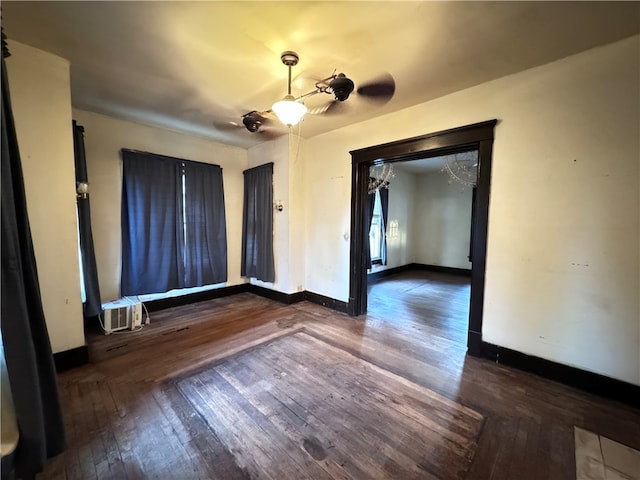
(198, 66)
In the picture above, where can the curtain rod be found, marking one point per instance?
(168, 157)
(259, 166)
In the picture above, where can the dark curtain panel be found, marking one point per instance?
(371, 203)
(205, 247)
(92, 304)
(474, 196)
(26, 340)
(257, 224)
(151, 223)
(384, 203)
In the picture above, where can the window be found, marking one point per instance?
(173, 224)
(257, 224)
(376, 232)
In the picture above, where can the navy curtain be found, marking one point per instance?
(384, 203)
(205, 241)
(92, 304)
(257, 224)
(173, 224)
(151, 223)
(24, 332)
(371, 203)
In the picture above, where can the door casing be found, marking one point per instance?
(476, 136)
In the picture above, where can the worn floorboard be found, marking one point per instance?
(242, 387)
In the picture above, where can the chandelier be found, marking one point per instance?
(379, 177)
(462, 168)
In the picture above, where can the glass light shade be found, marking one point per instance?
(289, 111)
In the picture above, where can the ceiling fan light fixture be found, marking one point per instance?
(289, 111)
(251, 122)
(341, 86)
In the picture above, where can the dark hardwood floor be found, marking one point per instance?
(244, 387)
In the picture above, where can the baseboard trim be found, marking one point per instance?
(597, 384)
(286, 298)
(376, 276)
(328, 302)
(68, 359)
(379, 275)
(466, 272)
(474, 344)
(178, 301)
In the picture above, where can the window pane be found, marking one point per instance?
(375, 232)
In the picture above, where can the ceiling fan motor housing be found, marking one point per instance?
(341, 86)
(251, 122)
(289, 58)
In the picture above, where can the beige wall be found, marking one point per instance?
(41, 100)
(429, 221)
(562, 278)
(287, 224)
(104, 138)
(400, 228)
(442, 222)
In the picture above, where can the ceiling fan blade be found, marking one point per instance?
(270, 133)
(320, 109)
(226, 126)
(332, 108)
(380, 90)
(267, 117)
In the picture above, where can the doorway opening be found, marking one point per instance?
(472, 137)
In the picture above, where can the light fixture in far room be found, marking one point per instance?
(82, 190)
(462, 168)
(379, 177)
(288, 110)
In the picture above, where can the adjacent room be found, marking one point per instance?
(420, 239)
(282, 240)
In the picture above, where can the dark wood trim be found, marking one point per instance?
(415, 147)
(597, 384)
(465, 272)
(379, 275)
(376, 276)
(286, 298)
(480, 217)
(477, 136)
(474, 344)
(170, 302)
(358, 254)
(328, 302)
(68, 359)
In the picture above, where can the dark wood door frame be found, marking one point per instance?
(477, 136)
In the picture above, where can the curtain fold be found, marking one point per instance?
(384, 203)
(151, 223)
(257, 224)
(371, 203)
(205, 242)
(26, 341)
(93, 303)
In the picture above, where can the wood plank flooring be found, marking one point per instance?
(196, 394)
(266, 405)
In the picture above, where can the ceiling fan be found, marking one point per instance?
(290, 109)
